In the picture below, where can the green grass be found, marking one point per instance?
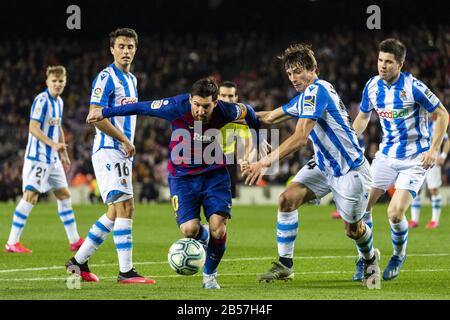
(324, 260)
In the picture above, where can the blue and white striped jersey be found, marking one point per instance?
(48, 112)
(403, 109)
(111, 88)
(336, 146)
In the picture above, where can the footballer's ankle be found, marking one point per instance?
(287, 262)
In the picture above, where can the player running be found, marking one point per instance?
(198, 175)
(339, 165)
(433, 180)
(111, 157)
(402, 103)
(46, 159)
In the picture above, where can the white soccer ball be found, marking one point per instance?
(186, 256)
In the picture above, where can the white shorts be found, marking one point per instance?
(42, 177)
(350, 191)
(114, 175)
(433, 177)
(407, 174)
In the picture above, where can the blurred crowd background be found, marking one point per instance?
(168, 62)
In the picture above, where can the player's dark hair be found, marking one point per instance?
(299, 55)
(228, 84)
(394, 46)
(205, 88)
(122, 32)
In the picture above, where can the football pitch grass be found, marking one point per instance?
(324, 258)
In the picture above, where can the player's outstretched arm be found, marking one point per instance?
(105, 126)
(255, 171)
(168, 109)
(273, 117)
(361, 122)
(35, 130)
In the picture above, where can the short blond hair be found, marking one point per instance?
(56, 70)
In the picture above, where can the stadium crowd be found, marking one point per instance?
(167, 64)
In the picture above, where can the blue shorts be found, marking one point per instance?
(210, 190)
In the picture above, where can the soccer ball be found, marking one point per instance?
(186, 256)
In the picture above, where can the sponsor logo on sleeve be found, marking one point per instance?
(241, 111)
(309, 105)
(97, 93)
(156, 104)
(429, 94)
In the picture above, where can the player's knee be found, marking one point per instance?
(190, 230)
(31, 197)
(218, 232)
(434, 192)
(352, 234)
(395, 213)
(353, 231)
(62, 194)
(287, 202)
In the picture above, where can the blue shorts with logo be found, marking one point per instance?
(210, 190)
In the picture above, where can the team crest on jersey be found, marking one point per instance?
(123, 182)
(127, 100)
(403, 95)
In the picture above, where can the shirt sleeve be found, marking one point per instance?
(423, 96)
(168, 109)
(102, 88)
(39, 109)
(366, 106)
(291, 108)
(313, 102)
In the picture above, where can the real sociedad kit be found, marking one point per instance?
(403, 109)
(42, 169)
(113, 87)
(339, 164)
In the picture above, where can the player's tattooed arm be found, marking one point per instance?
(361, 122)
(36, 131)
(105, 126)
